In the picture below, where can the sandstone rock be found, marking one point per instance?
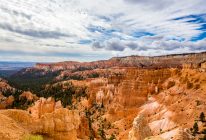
(133, 85)
(140, 129)
(154, 138)
(100, 97)
(183, 134)
(61, 124)
(167, 61)
(203, 65)
(10, 129)
(43, 106)
(29, 96)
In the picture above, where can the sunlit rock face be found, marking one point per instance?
(43, 106)
(101, 68)
(173, 111)
(46, 118)
(60, 124)
(168, 61)
(137, 83)
(154, 138)
(140, 129)
(123, 94)
(163, 96)
(130, 88)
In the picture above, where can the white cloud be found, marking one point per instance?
(55, 27)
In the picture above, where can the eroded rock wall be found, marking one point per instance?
(57, 123)
(173, 111)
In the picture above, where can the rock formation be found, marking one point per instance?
(43, 106)
(58, 123)
(5, 101)
(154, 138)
(82, 70)
(143, 97)
(183, 134)
(5, 90)
(29, 96)
(172, 111)
(4, 86)
(140, 129)
(167, 61)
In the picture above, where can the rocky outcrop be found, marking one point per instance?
(54, 120)
(154, 138)
(4, 86)
(183, 134)
(10, 129)
(6, 101)
(169, 97)
(44, 119)
(62, 124)
(133, 86)
(81, 70)
(43, 106)
(28, 96)
(140, 129)
(172, 111)
(167, 61)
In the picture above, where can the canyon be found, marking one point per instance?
(123, 98)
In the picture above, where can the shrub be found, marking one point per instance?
(202, 117)
(160, 131)
(19, 102)
(195, 129)
(93, 75)
(203, 131)
(189, 85)
(197, 80)
(198, 102)
(32, 137)
(88, 115)
(101, 133)
(170, 84)
(204, 138)
(112, 137)
(197, 86)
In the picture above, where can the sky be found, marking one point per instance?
(89, 30)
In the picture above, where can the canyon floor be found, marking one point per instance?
(128, 98)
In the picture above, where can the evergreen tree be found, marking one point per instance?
(202, 117)
(112, 137)
(195, 128)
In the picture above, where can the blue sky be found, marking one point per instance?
(87, 30)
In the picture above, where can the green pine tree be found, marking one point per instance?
(195, 128)
(202, 117)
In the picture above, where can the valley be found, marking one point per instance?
(123, 98)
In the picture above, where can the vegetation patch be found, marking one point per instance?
(189, 85)
(34, 80)
(32, 137)
(63, 92)
(19, 102)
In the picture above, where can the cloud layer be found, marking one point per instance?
(85, 30)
